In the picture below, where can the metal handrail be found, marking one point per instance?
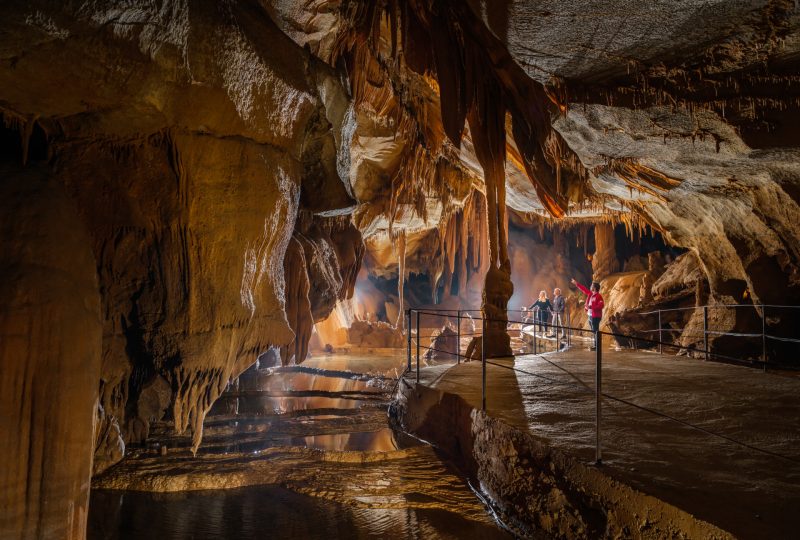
(706, 331)
(598, 369)
(687, 308)
(457, 354)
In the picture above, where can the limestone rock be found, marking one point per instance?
(443, 346)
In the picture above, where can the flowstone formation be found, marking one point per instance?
(236, 175)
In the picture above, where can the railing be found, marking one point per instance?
(413, 317)
(763, 334)
(414, 338)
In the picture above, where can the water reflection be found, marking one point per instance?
(267, 512)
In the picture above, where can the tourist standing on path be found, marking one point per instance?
(559, 303)
(543, 308)
(594, 305)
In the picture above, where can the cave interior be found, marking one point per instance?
(194, 192)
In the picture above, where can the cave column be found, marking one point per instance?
(401, 280)
(604, 260)
(50, 351)
(561, 250)
(497, 288)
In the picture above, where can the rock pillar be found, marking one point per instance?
(604, 261)
(50, 350)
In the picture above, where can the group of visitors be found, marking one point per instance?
(544, 311)
(547, 313)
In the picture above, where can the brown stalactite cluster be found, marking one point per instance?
(639, 177)
(478, 84)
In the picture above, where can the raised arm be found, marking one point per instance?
(583, 289)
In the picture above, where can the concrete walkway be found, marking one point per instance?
(750, 493)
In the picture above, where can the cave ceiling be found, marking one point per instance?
(623, 108)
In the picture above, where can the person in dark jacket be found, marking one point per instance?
(543, 308)
(594, 305)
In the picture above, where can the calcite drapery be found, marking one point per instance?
(182, 137)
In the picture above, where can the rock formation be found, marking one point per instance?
(183, 138)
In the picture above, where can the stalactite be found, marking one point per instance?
(23, 126)
(639, 177)
(298, 305)
(195, 391)
(473, 71)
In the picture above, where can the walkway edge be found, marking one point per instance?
(537, 491)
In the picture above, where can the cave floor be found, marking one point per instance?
(660, 448)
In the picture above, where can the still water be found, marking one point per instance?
(267, 512)
(344, 488)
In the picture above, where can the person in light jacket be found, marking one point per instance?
(559, 304)
(594, 305)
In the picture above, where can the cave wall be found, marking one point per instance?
(733, 206)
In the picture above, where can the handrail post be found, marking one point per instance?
(418, 340)
(764, 336)
(598, 394)
(569, 327)
(705, 330)
(458, 338)
(408, 337)
(483, 362)
(660, 338)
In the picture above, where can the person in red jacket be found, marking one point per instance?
(594, 305)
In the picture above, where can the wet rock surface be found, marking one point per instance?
(50, 342)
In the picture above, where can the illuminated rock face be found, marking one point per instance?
(689, 122)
